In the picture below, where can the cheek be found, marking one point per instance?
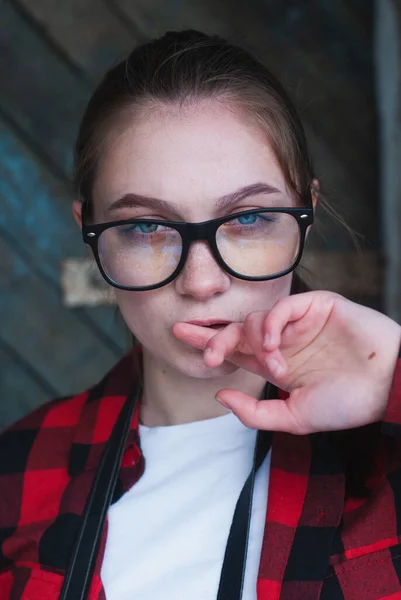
(263, 295)
(143, 311)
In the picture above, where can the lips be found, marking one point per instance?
(211, 323)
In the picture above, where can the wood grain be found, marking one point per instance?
(388, 58)
(21, 390)
(51, 338)
(43, 95)
(36, 214)
(89, 33)
(154, 17)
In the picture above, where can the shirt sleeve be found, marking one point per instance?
(391, 422)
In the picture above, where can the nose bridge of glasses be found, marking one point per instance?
(200, 232)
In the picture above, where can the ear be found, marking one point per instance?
(77, 212)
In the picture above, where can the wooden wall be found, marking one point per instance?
(52, 54)
(388, 79)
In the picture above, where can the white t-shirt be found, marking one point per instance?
(167, 535)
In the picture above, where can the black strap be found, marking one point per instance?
(79, 573)
(233, 570)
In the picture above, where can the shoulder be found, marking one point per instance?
(43, 439)
(367, 457)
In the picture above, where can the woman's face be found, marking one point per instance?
(189, 158)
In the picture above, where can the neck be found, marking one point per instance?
(173, 398)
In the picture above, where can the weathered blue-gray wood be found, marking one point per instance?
(40, 92)
(36, 213)
(90, 34)
(44, 99)
(21, 388)
(50, 337)
(388, 56)
(154, 17)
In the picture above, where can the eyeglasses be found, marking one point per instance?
(145, 254)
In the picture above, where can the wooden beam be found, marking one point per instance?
(348, 274)
(388, 60)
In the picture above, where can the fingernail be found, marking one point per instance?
(275, 366)
(266, 342)
(208, 351)
(222, 402)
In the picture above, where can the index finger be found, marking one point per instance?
(217, 346)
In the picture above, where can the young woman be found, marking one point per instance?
(262, 455)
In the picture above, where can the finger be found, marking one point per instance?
(217, 345)
(269, 415)
(229, 345)
(285, 311)
(224, 344)
(253, 329)
(193, 335)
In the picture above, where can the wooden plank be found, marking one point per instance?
(388, 44)
(47, 335)
(88, 32)
(36, 213)
(20, 390)
(45, 97)
(154, 17)
(349, 274)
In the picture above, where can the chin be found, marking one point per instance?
(185, 360)
(192, 365)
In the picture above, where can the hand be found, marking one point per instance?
(334, 357)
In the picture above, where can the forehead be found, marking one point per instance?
(188, 156)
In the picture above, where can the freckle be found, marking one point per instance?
(372, 355)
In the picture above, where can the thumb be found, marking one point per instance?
(269, 415)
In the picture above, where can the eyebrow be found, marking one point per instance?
(133, 200)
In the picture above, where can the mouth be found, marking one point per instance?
(211, 323)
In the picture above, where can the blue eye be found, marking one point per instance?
(148, 227)
(248, 219)
(140, 228)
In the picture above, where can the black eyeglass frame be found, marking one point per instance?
(192, 232)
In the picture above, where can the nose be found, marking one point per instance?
(202, 277)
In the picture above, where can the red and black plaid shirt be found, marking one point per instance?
(333, 523)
